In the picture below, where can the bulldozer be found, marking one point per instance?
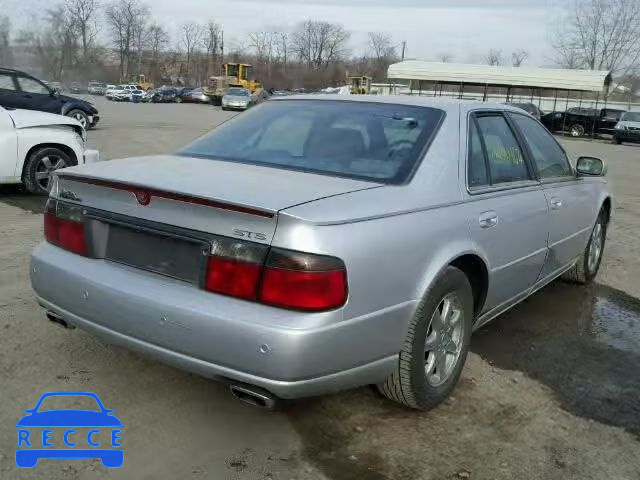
(234, 75)
(140, 80)
(359, 84)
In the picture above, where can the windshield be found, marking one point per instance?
(631, 117)
(373, 141)
(238, 92)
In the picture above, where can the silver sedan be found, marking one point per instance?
(320, 243)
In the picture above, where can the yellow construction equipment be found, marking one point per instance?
(360, 84)
(140, 80)
(234, 75)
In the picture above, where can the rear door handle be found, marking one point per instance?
(556, 203)
(488, 219)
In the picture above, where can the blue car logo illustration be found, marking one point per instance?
(37, 431)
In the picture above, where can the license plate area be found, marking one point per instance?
(164, 254)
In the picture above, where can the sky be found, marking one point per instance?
(465, 29)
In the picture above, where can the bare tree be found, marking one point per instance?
(445, 57)
(212, 40)
(126, 19)
(158, 39)
(82, 14)
(191, 35)
(381, 46)
(494, 57)
(601, 35)
(518, 57)
(317, 43)
(6, 53)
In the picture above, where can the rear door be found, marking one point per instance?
(9, 95)
(507, 211)
(568, 197)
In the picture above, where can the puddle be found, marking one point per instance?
(16, 196)
(582, 342)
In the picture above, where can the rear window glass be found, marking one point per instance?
(371, 141)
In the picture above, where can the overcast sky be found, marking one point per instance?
(467, 29)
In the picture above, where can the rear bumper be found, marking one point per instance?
(290, 354)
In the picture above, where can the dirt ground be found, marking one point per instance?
(551, 390)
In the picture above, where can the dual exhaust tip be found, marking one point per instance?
(255, 396)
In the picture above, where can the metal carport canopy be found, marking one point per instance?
(519, 77)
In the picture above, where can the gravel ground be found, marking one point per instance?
(551, 390)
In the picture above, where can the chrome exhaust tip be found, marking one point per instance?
(254, 396)
(55, 318)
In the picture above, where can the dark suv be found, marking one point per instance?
(21, 90)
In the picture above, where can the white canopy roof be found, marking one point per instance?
(561, 79)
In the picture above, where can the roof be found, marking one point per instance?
(442, 103)
(561, 79)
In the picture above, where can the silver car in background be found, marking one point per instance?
(320, 243)
(236, 98)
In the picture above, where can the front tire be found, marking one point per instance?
(587, 266)
(39, 167)
(615, 140)
(436, 346)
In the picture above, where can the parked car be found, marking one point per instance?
(531, 108)
(96, 88)
(75, 87)
(136, 96)
(582, 121)
(196, 95)
(627, 129)
(21, 90)
(324, 243)
(165, 95)
(237, 99)
(123, 93)
(181, 93)
(35, 144)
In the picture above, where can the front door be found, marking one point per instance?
(507, 214)
(570, 221)
(8, 148)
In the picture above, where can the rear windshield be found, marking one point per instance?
(370, 141)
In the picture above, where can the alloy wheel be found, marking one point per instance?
(45, 167)
(595, 247)
(443, 344)
(80, 118)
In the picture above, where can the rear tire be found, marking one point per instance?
(81, 117)
(577, 130)
(428, 368)
(587, 266)
(39, 167)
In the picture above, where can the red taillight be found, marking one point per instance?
(287, 279)
(304, 290)
(64, 228)
(303, 281)
(231, 277)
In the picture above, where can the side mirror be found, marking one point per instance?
(590, 166)
(53, 93)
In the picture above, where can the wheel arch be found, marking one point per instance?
(607, 207)
(65, 148)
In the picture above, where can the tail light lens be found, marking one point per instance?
(287, 279)
(234, 268)
(303, 281)
(64, 227)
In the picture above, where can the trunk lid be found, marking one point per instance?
(218, 197)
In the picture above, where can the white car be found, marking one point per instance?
(35, 144)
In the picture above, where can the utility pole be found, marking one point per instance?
(404, 47)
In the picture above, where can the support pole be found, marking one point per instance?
(484, 96)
